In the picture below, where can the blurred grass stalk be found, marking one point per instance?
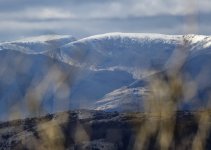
(161, 105)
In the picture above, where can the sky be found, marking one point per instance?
(81, 18)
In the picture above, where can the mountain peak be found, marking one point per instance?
(120, 35)
(45, 38)
(38, 44)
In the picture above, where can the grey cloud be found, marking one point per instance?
(165, 24)
(88, 17)
(111, 7)
(14, 5)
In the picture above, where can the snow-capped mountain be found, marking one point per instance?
(39, 44)
(195, 68)
(110, 61)
(137, 54)
(103, 72)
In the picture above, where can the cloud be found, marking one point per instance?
(104, 8)
(49, 13)
(88, 17)
(43, 13)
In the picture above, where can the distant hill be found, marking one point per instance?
(60, 72)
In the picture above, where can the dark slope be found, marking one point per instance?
(99, 130)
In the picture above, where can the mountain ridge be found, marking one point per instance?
(109, 63)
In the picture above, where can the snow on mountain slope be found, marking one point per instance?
(50, 84)
(38, 44)
(196, 73)
(127, 98)
(59, 39)
(104, 65)
(196, 67)
(137, 54)
(111, 61)
(123, 99)
(198, 42)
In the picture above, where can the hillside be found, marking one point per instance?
(98, 72)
